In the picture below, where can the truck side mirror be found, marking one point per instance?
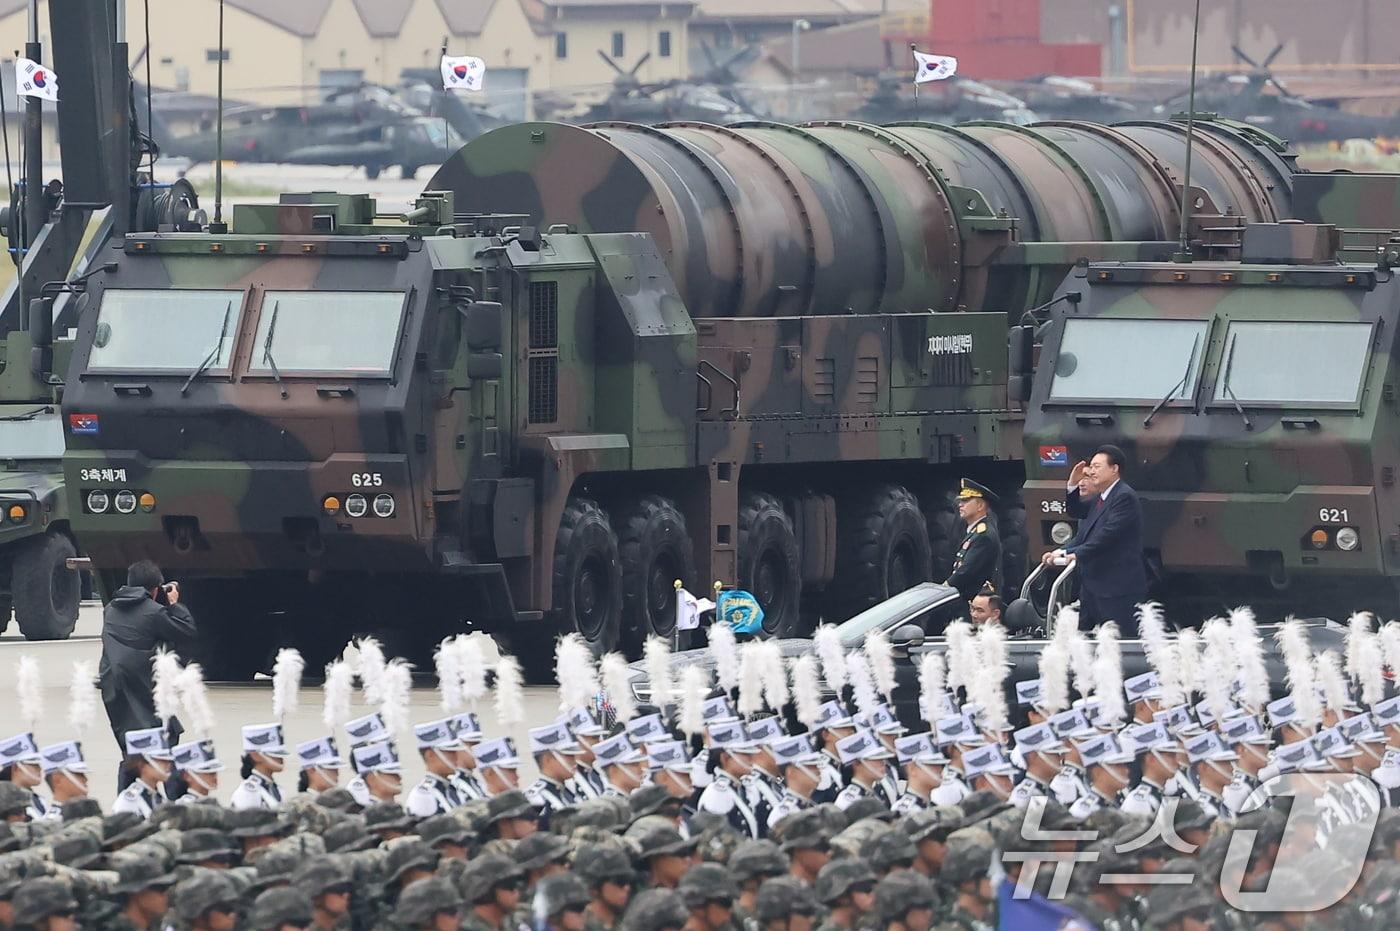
(1020, 350)
(484, 365)
(483, 326)
(907, 637)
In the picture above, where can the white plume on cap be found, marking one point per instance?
(657, 656)
(371, 670)
(1108, 674)
(695, 685)
(962, 655)
(1358, 628)
(1066, 620)
(1169, 675)
(29, 686)
(336, 692)
(84, 699)
(1292, 639)
(1390, 646)
(725, 648)
(933, 674)
(988, 688)
(775, 683)
(194, 699)
(833, 657)
(1219, 666)
(471, 665)
(1188, 661)
(1152, 628)
(574, 666)
(1371, 676)
(165, 671)
(880, 655)
(1054, 675)
(807, 689)
(1331, 681)
(286, 682)
(1249, 654)
(616, 683)
(447, 663)
(510, 692)
(750, 678)
(862, 682)
(1081, 661)
(398, 692)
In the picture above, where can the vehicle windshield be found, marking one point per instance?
(38, 437)
(165, 331)
(1291, 364)
(854, 631)
(350, 332)
(1129, 359)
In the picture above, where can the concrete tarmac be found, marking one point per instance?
(234, 704)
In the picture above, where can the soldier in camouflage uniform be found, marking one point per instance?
(752, 862)
(328, 883)
(846, 888)
(143, 887)
(45, 904)
(709, 892)
(905, 901)
(609, 876)
(656, 910)
(560, 903)
(281, 909)
(969, 892)
(807, 841)
(784, 904)
(432, 905)
(206, 901)
(491, 886)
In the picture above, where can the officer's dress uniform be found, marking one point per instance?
(1143, 799)
(138, 799)
(723, 797)
(908, 803)
(762, 795)
(549, 796)
(586, 783)
(467, 786)
(1068, 785)
(1027, 789)
(38, 809)
(359, 791)
(854, 793)
(790, 804)
(433, 795)
(977, 561)
(192, 797)
(257, 791)
(952, 790)
(830, 785)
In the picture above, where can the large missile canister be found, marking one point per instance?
(766, 219)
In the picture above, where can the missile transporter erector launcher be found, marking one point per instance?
(593, 361)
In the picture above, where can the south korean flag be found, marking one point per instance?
(466, 73)
(34, 80)
(933, 67)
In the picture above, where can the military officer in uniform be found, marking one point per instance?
(468, 730)
(587, 781)
(199, 770)
(362, 731)
(801, 771)
(434, 794)
(731, 750)
(868, 760)
(65, 771)
(923, 765)
(1041, 750)
(978, 560)
(148, 761)
(555, 752)
(264, 753)
(320, 764)
(19, 764)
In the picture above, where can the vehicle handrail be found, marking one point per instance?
(1052, 606)
(1027, 585)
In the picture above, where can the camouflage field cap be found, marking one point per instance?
(839, 876)
(901, 892)
(444, 828)
(539, 850)
(511, 804)
(37, 899)
(408, 854)
(318, 874)
(656, 910)
(422, 900)
(753, 859)
(806, 830)
(558, 893)
(783, 896)
(969, 854)
(13, 799)
(890, 849)
(387, 816)
(276, 907)
(707, 882)
(484, 873)
(599, 863)
(201, 891)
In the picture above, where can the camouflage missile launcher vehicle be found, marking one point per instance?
(1261, 421)
(593, 361)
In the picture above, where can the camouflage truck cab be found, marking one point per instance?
(1255, 398)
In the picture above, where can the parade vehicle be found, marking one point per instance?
(592, 361)
(1261, 428)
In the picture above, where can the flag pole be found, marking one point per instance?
(913, 47)
(446, 137)
(1183, 254)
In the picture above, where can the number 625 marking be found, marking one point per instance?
(367, 479)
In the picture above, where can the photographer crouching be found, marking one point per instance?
(143, 616)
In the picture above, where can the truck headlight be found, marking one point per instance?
(1061, 532)
(98, 501)
(1348, 539)
(124, 501)
(356, 505)
(383, 505)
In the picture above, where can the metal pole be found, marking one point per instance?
(796, 50)
(218, 224)
(1184, 245)
(34, 213)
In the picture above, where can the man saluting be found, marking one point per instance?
(978, 560)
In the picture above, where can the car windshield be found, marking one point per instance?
(165, 331)
(1293, 364)
(1104, 359)
(37, 437)
(349, 332)
(853, 632)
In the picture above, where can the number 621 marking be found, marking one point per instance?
(1333, 515)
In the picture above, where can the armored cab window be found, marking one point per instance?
(345, 332)
(1102, 359)
(36, 437)
(165, 331)
(1293, 364)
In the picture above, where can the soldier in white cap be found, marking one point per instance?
(198, 767)
(1161, 757)
(989, 770)
(953, 732)
(1106, 764)
(363, 731)
(147, 761)
(319, 764)
(65, 771)
(20, 764)
(378, 764)
(831, 725)
(467, 728)
(621, 764)
(498, 766)
(1070, 783)
(800, 766)
(434, 794)
(1041, 751)
(761, 784)
(1251, 743)
(923, 771)
(555, 752)
(587, 782)
(867, 759)
(672, 769)
(264, 756)
(1214, 765)
(731, 750)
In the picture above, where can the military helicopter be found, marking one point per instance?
(956, 100)
(422, 89)
(630, 100)
(1246, 96)
(363, 126)
(1055, 97)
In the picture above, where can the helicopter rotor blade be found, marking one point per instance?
(646, 57)
(1272, 55)
(1239, 53)
(610, 63)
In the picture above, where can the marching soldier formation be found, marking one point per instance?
(763, 794)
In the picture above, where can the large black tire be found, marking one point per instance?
(882, 546)
(945, 532)
(770, 567)
(655, 548)
(587, 585)
(45, 591)
(1015, 544)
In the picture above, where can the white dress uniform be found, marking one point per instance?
(359, 792)
(1143, 799)
(257, 791)
(852, 794)
(1068, 785)
(723, 797)
(790, 804)
(38, 809)
(138, 799)
(1025, 790)
(433, 795)
(951, 790)
(908, 803)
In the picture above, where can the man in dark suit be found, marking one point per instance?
(1107, 547)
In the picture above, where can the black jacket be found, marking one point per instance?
(1108, 544)
(977, 561)
(133, 627)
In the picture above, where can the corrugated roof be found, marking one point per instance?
(383, 18)
(302, 17)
